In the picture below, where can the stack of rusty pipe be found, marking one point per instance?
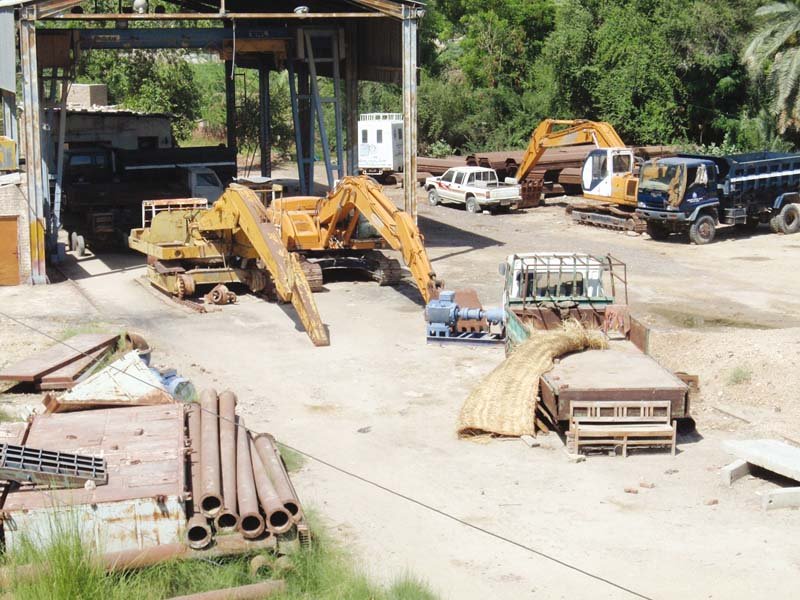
(238, 480)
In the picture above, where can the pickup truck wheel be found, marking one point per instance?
(657, 231)
(703, 230)
(473, 206)
(80, 249)
(73, 241)
(433, 197)
(790, 216)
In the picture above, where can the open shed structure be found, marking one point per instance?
(345, 40)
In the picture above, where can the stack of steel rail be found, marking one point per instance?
(239, 481)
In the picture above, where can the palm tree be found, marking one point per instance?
(773, 54)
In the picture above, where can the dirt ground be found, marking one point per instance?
(382, 404)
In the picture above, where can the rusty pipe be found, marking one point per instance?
(254, 591)
(228, 518)
(250, 522)
(128, 560)
(211, 496)
(278, 519)
(198, 532)
(271, 459)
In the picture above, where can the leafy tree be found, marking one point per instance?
(774, 53)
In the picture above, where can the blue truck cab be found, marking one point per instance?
(695, 194)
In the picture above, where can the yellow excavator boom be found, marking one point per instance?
(574, 132)
(319, 224)
(240, 211)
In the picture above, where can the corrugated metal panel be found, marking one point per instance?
(380, 51)
(8, 52)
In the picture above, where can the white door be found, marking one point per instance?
(596, 173)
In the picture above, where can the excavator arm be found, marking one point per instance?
(330, 223)
(394, 225)
(574, 133)
(240, 211)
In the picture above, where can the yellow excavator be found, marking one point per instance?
(231, 242)
(607, 174)
(346, 230)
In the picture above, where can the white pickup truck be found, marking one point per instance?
(477, 187)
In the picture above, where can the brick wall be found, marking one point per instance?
(14, 203)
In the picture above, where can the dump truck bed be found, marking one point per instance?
(620, 373)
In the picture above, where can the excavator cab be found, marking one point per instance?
(608, 173)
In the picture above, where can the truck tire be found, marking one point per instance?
(472, 205)
(776, 224)
(80, 248)
(433, 197)
(790, 218)
(73, 241)
(657, 231)
(703, 230)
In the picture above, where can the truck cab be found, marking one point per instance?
(380, 147)
(608, 173)
(204, 183)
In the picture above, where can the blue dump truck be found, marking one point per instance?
(695, 194)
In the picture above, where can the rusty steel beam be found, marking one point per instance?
(210, 488)
(251, 524)
(198, 532)
(254, 591)
(271, 459)
(227, 519)
(279, 519)
(273, 16)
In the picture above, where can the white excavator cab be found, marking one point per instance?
(608, 174)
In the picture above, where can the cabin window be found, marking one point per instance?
(364, 137)
(448, 177)
(380, 136)
(459, 178)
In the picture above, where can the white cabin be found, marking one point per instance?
(380, 143)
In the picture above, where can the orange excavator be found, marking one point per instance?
(346, 230)
(607, 174)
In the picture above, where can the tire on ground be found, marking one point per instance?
(703, 230)
(433, 197)
(472, 205)
(790, 218)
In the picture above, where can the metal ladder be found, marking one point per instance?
(310, 58)
(24, 464)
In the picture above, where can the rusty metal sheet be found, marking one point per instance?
(55, 357)
(143, 448)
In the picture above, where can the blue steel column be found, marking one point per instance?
(230, 105)
(35, 171)
(265, 132)
(351, 98)
(410, 110)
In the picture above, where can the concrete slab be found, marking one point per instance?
(736, 470)
(782, 498)
(772, 455)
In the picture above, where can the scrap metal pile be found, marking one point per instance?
(148, 475)
(238, 479)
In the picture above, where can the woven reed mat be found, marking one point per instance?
(503, 403)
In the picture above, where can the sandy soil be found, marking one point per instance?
(382, 404)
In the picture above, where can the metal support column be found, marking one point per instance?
(230, 105)
(351, 99)
(62, 130)
(410, 110)
(35, 170)
(265, 130)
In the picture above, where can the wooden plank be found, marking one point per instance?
(66, 376)
(53, 358)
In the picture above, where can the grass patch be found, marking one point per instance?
(294, 461)
(7, 417)
(66, 570)
(739, 375)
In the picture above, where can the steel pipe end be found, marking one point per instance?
(279, 521)
(251, 525)
(226, 520)
(210, 505)
(198, 533)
